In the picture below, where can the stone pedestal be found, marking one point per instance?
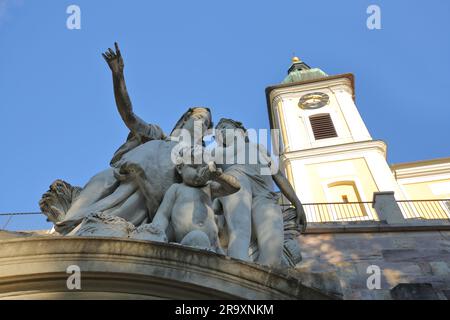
(111, 268)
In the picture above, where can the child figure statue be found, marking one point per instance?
(187, 206)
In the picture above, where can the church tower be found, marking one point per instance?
(326, 150)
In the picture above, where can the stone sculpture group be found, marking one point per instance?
(161, 188)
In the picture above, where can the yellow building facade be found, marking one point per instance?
(333, 162)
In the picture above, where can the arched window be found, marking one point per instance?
(322, 126)
(346, 192)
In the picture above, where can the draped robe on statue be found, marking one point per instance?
(105, 193)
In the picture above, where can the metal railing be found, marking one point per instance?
(9, 221)
(340, 212)
(425, 209)
(315, 212)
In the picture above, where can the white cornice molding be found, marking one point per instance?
(422, 170)
(342, 82)
(377, 145)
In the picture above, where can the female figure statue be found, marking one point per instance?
(110, 191)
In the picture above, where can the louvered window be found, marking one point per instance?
(323, 127)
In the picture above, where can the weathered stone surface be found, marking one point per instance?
(32, 268)
(414, 255)
(440, 268)
(327, 282)
(103, 225)
(57, 200)
(148, 232)
(446, 294)
(414, 291)
(403, 257)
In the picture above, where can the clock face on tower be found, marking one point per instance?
(314, 100)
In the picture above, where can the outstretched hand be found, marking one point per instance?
(114, 60)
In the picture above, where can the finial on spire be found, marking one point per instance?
(297, 64)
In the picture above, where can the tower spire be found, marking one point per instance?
(300, 71)
(298, 65)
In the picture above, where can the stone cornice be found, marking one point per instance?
(35, 268)
(421, 168)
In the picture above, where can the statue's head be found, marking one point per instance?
(195, 118)
(227, 130)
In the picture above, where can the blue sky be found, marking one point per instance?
(58, 116)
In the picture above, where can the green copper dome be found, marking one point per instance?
(300, 71)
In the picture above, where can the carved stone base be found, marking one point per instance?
(149, 232)
(36, 268)
(102, 225)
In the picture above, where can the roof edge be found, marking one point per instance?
(419, 163)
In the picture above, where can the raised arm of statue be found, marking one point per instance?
(123, 101)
